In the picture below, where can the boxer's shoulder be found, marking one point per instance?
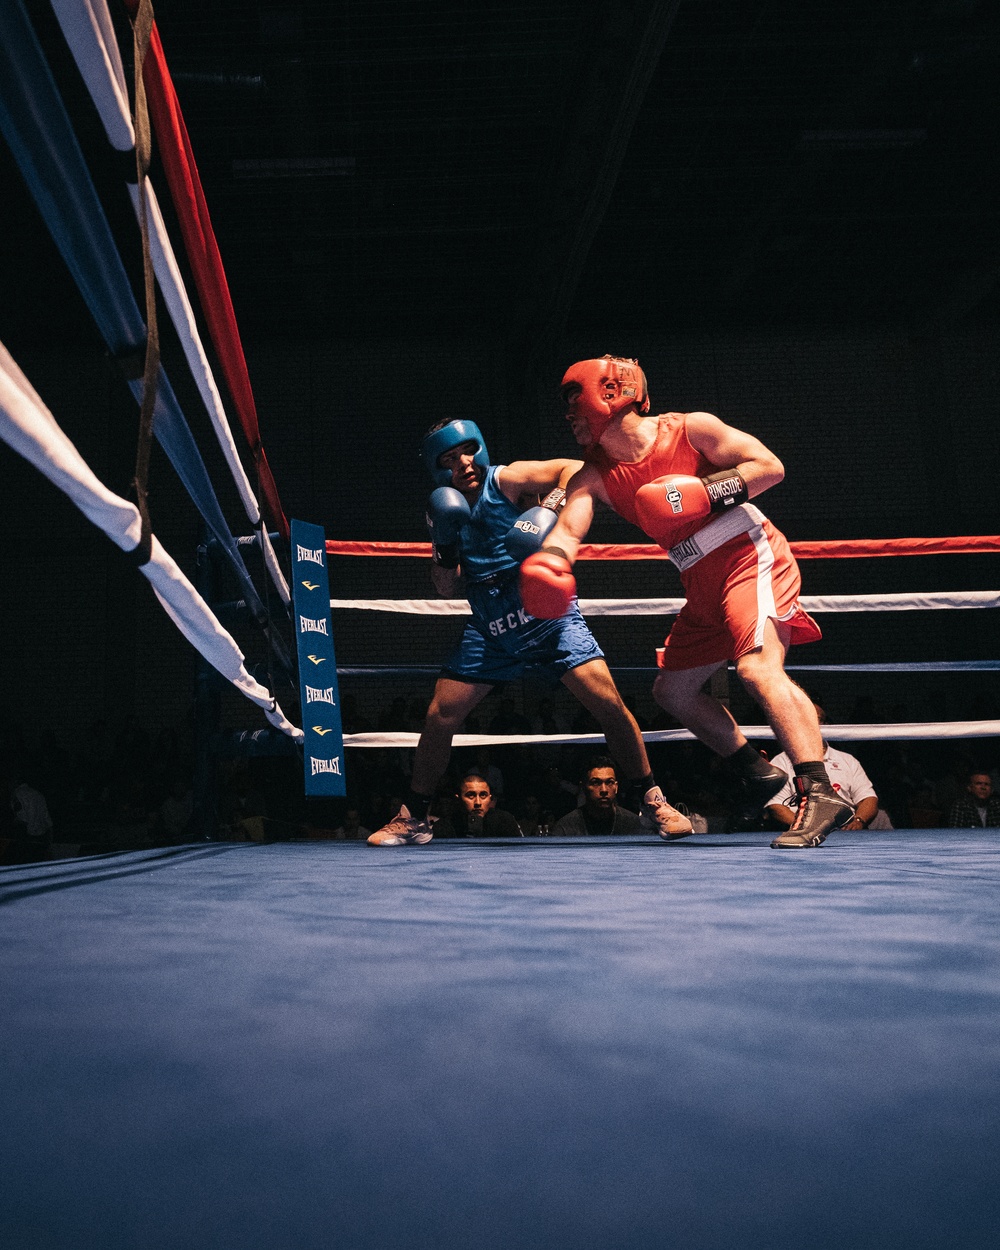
(535, 477)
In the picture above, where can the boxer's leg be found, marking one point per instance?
(453, 700)
(792, 716)
(752, 781)
(595, 688)
(787, 707)
(593, 685)
(680, 693)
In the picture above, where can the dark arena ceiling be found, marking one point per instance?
(523, 169)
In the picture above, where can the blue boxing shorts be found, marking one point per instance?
(502, 640)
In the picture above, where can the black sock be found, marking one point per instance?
(419, 804)
(748, 762)
(815, 770)
(635, 791)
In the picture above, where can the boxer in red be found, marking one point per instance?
(686, 479)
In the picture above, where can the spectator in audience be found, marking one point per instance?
(508, 720)
(242, 805)
(584, 722)
(393, 718)
(416, 714)
(847, 777)
(556, 795)
(476, 817)
(352, 829)
(532, 819)
(979, 807)
(491, 771)
(864, 711)
(173, 816)
(953, 784)
(922, 811)
(546, 719)
(31, 824)
(741, 817)
(599, 812)
(351, 717)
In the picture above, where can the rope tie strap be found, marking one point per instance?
(141, 27)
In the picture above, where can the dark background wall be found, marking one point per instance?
(881, 435)
(785, 212)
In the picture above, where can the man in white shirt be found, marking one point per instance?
(847, 777)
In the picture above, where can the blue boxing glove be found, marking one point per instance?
(529, 532)
(447, 511)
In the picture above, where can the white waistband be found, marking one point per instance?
(736, 521)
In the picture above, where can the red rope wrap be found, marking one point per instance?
(840, 549)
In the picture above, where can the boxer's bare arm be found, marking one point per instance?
(729, 448)
(535, 477)
(578, 512)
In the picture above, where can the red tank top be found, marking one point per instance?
(671, 453)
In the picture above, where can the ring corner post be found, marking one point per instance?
(323, 746)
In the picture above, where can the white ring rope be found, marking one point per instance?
(31, 430)
(88, 29)
(916, 602)
(913, 730)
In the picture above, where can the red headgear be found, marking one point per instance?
(606, 387)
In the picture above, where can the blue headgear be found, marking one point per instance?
(452, 435)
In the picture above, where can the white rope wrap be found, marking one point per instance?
(87, 28)
(31, 430)
(911, 731)
(912, 602)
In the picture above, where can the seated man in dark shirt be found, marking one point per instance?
(476, 817)
(600, 812)
(978, 807)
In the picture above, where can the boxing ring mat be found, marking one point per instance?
(610, 1043)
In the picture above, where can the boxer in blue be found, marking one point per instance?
(480, 533)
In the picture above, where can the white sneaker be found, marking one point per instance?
(402, 830)
(666, 820)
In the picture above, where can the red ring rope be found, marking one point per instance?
(844, 548)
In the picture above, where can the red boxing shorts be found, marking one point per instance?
(732, 592)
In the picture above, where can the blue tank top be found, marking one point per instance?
(483, 551)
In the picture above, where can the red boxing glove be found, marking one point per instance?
(548, 586)
(669, 504)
